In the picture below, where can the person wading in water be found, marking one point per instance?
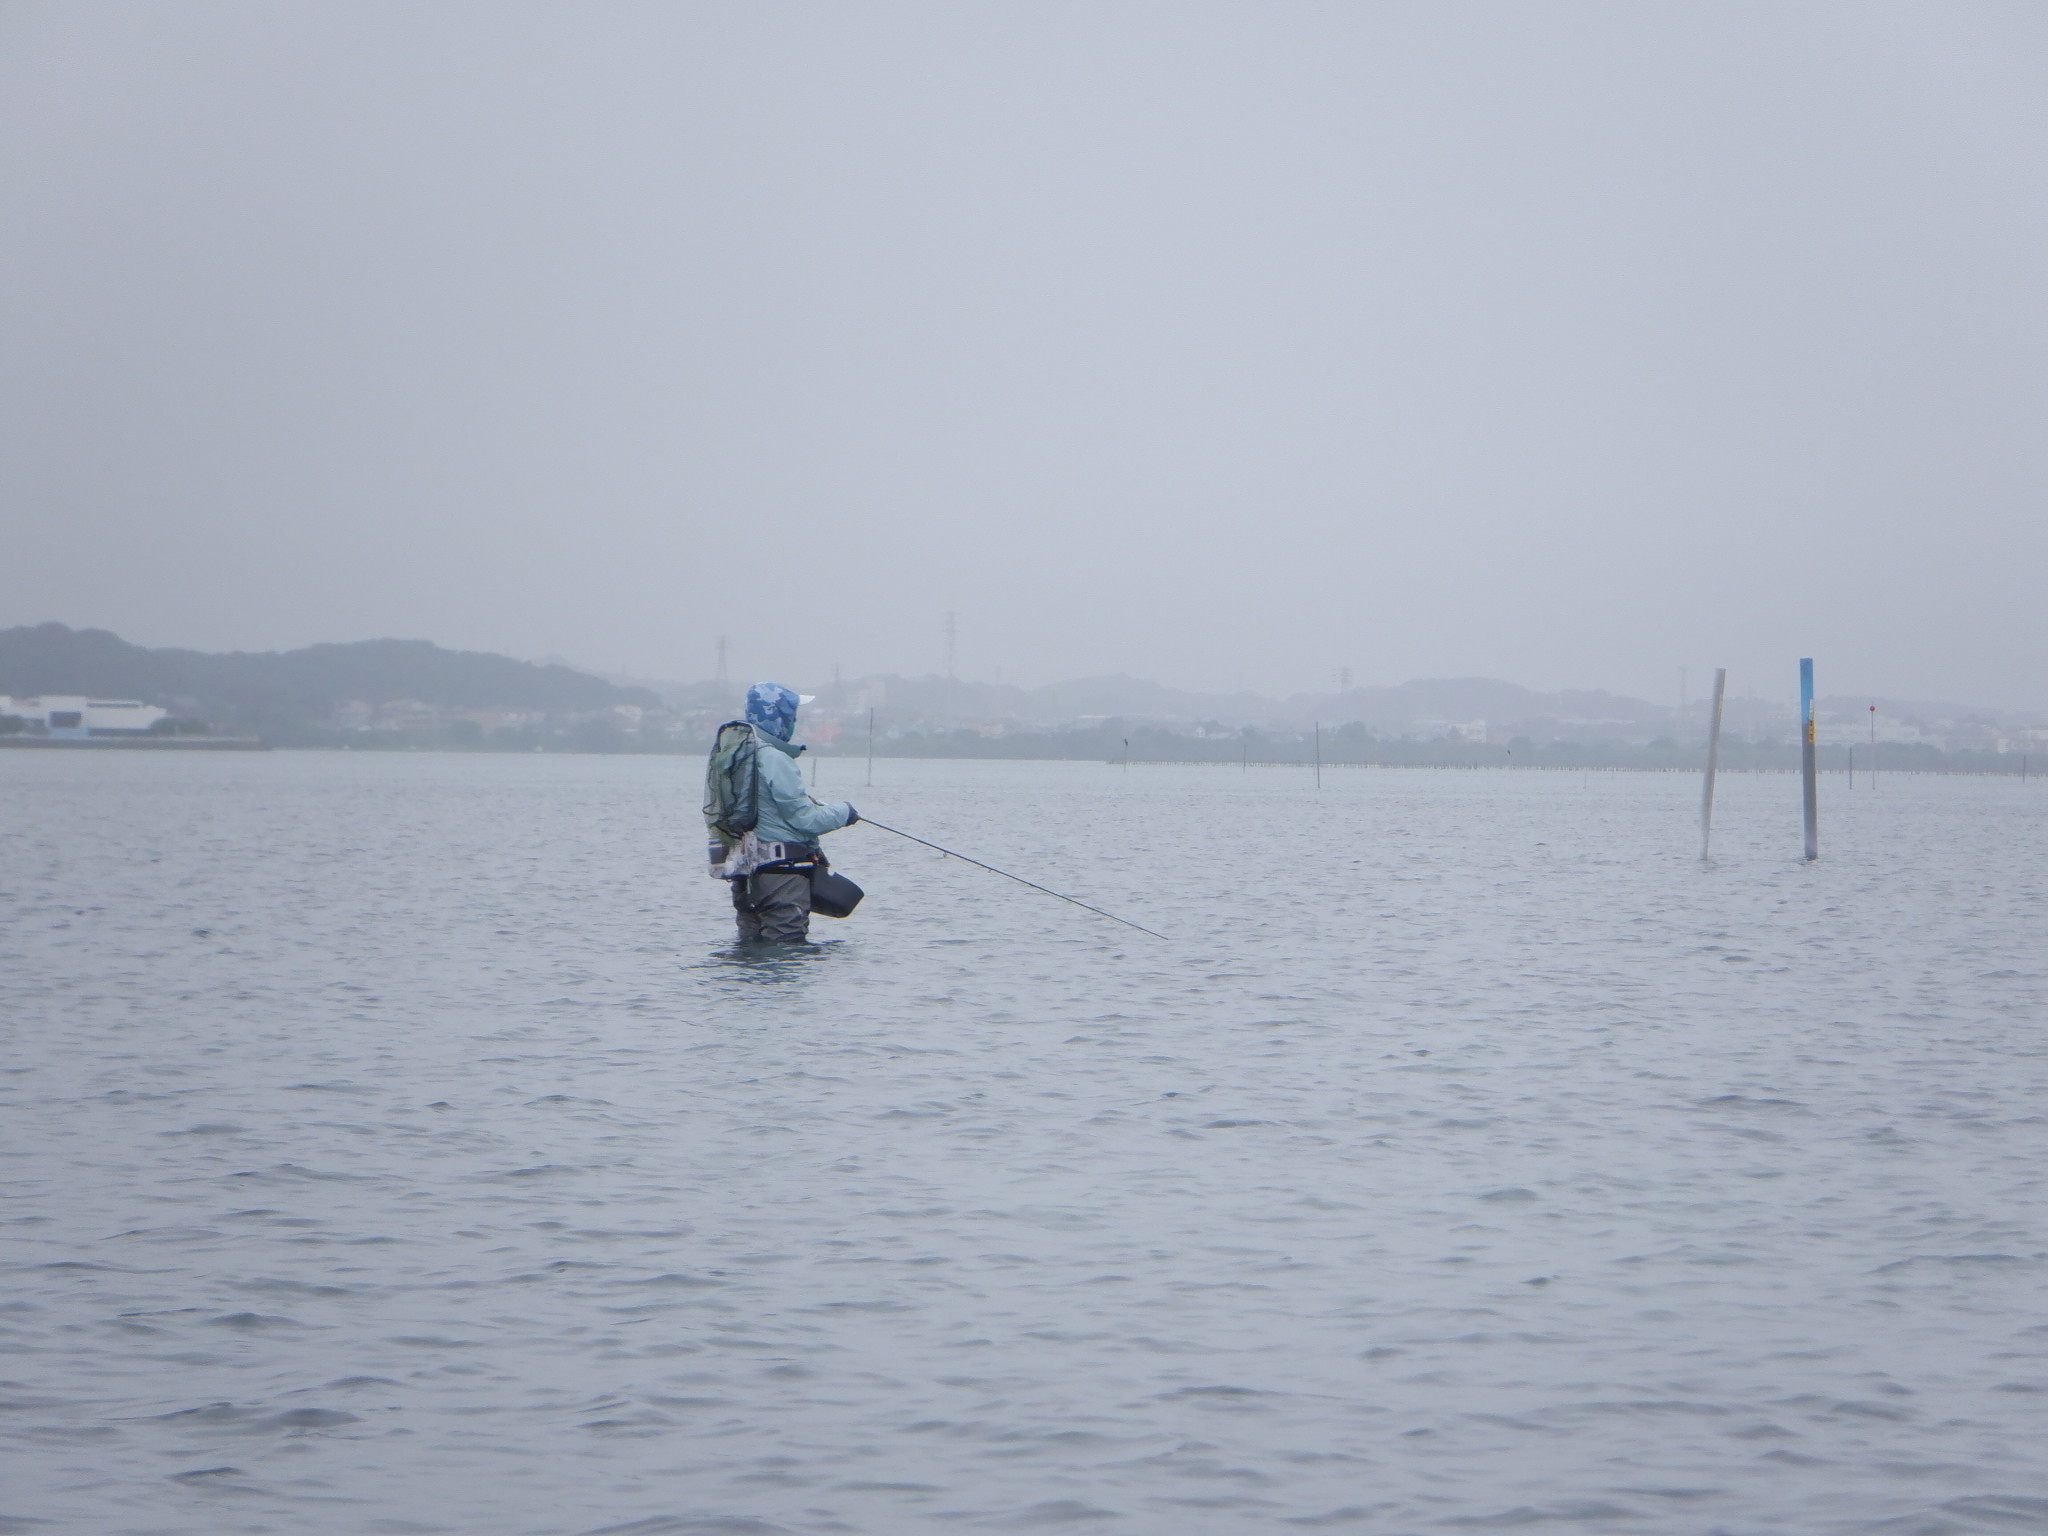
(764, 829)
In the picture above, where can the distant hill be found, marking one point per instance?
(281, 692)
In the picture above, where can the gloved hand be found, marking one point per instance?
(851, 814)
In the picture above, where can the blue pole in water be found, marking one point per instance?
(1808, 769)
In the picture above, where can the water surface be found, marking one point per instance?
(393, 1143)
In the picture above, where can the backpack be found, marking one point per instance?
(732, 782)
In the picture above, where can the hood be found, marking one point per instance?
(772, 708)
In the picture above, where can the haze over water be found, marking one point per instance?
(391, 1145)
(1224, 344)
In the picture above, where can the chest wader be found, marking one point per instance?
(776, 901)
(773, 905)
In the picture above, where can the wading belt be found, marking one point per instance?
(787, 858)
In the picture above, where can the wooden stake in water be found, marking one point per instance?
(871, 749)
(1713, 760)
(1809, 772)
(1319, 754)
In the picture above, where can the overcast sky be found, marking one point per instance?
(1222, 344)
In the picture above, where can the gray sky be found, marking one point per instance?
(1222, 344)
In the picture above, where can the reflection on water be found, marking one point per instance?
(401, 1144)
(759, 962)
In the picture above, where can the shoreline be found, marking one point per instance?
(135, 744)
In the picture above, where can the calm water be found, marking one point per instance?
(388, 1144)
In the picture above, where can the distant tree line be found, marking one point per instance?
(301, 698)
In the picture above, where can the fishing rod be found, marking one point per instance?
(866, 822)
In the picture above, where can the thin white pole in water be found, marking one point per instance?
(1713, 760)
(1852, 765)
(1873, 746)
(1319, 754)
(871, 749)
(1809, 769)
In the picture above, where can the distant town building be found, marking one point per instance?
(1446, 730)
(75, 716)
(1860, 732)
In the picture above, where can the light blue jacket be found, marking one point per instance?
(788, 815)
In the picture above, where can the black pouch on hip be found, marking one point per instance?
(832, 894)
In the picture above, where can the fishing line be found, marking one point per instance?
(879, 826)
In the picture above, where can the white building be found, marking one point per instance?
(74, 715)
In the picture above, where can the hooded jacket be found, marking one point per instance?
(788, 814)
